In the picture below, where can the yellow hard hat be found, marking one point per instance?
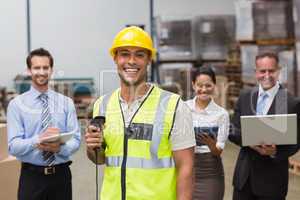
(133, 36)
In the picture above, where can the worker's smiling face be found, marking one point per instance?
(203, 87)
(132, 65)
(40, 71)
(267, 72)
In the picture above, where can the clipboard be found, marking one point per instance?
(62, 137)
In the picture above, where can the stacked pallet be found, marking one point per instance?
(233, 71)
(294, 163)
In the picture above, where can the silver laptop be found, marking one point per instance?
(269, 129)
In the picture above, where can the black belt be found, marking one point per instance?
(46, 170)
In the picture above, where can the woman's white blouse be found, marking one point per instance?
(213, 115)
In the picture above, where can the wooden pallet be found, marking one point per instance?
(233, 63)
(248, 82)
(262, 42)
(289, 41)
(236, 84)
(294, 166)
(231, 70)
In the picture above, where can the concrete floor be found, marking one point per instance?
(84, 175)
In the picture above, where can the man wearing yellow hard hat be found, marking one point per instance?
(147, 141)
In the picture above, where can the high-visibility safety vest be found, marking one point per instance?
(139, 162)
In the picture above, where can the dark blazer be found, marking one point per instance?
(268, 175)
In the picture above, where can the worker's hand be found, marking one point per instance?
(48, 132)
(93, 138)
(49, 146)
(265, 150)
(211, 143)
(206, 139)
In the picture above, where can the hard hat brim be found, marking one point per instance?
(113, 50)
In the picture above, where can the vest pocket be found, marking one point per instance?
(142, 146)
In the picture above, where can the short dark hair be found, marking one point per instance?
(269, 54)
(206, 70)
(39, 52)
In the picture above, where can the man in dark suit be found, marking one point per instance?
(261, 171)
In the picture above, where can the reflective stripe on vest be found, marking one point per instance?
(132, 162)
(102, 109)
(101, 105)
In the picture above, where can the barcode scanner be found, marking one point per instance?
(98, 122)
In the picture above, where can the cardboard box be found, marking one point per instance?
(213, 35)
(9, 178)
(273, 19)
(296, 156)
(3, 142)
(297, 19)
(174, 39)
(177, 73)
(244, 20)
(265, 19)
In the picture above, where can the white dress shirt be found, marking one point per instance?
(213, 115)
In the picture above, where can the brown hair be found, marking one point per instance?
(268, 54)
(39, 52)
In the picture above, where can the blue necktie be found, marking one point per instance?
(261, 104)
(48, 157)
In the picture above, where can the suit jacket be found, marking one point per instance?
(268, 175)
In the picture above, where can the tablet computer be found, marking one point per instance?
(278, 129)
(211, 131)
(62, 137)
